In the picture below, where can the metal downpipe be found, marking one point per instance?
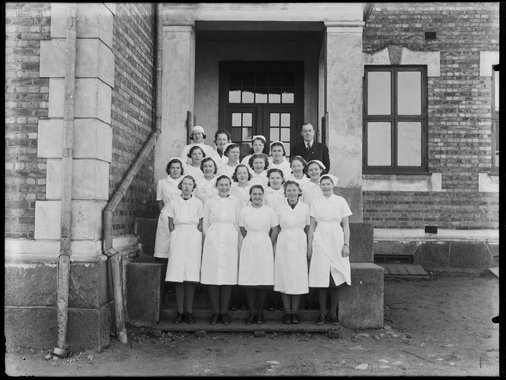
(114, 258)
(67, 163)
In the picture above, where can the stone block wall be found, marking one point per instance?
(459, 103)
(26, 102)
(132, 111)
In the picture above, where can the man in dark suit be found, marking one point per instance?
(310, 149)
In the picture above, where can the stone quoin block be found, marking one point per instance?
(50, 138)
(47, 219)
(361, 304)
(88, 285)
(30, 327)
(92, 139)
(89, 328)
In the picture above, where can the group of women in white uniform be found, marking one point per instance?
(265, 225)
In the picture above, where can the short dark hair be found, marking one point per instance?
(266, 148)
(193, 148)
(180, 186)
(221, 177)
(257, 186)
(231, 146)
(290, 182)
(259, 155)
(275, 170)
(167, 169)
(279, 143)
(208, 159)
(222, 131)
(234, 176)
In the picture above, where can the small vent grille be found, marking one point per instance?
(393, 259)
(430, 35)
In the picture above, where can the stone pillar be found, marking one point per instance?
(343, 102)
(178, 88)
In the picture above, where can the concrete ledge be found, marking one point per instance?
(361, 242)
(143, 292)
(361, 304)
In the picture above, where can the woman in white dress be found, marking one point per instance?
(220, 256)
(259, 164)
(258, 145)
(328, 246)
(206, 186)
(311, 189)
(196, 155)
(185, 223)
(298, 171)
(290, 264)
(259, 226)
(166, 190)
(232, 152)
(222, 137)
(278, 158)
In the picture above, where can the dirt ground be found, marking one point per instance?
(436, 326)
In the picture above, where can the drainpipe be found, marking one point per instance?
(66, 196)
(114, 258)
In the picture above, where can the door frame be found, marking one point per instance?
(298, 69)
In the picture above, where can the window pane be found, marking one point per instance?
(275, 95)
(409, 87)
(496, 91)
(274, 120)
(236, 119)
(285, 134)
(287, 96)
(248, 79)
(275, 79)
(262, 79)
(409, 144)
(495, 140)
(379, 144)
(288, 79)
(236, 134)
(246, 134)
(261, 95)
(234, 96)
(247, 119)
(248, 96)
(285, 119)
(274, 134)
(378, 93)
(235, 79)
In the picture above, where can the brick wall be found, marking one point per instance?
(459, 140)
(26, 102)
(132, 110)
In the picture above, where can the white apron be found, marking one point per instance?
(256, 263)
(166, 190)
(220, 257)
(290, 263)
(185, 250)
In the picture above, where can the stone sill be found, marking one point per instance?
(383, 234)
(488, 182)
(399, 182)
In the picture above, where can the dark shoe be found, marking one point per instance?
(287, 319)
(333, 320)
(309, 305)
(250, 319)
(272, 306)
(214, 319)
(244, 307)
(295, 319)
(321, 319)
(225, 319)
(190, 318)
(179, 318)
(233, 307)
(260, 319)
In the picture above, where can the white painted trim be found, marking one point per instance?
(487, 59)
(408, 57)
(384, 234)
(379, 182)
(488, 183)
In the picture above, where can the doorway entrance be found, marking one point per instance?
(262, 98)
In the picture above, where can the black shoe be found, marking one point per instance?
(225, 319)
(333, 320)
(214, 319)
(244, 307)
(260, 319)
(179, 318)
(309, 305)
(295, 319)
(250, 319)
(232, 307)
(272, 306)
(321, 319)
(190, 318)
(287, 319)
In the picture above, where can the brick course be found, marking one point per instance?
(132, 111)
(459, 105)
(26, 102)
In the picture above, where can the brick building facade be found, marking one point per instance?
(455, 44)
